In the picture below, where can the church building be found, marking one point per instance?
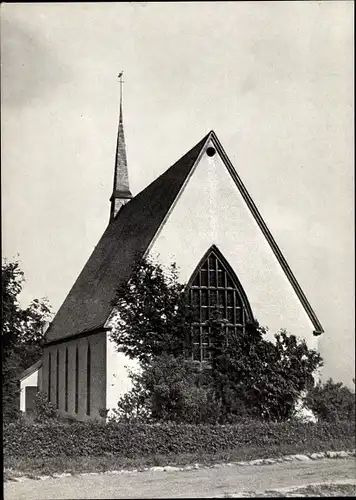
(198, 214)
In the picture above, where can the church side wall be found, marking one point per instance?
(211, 210)
(97, 386)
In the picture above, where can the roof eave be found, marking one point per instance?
(31, 370)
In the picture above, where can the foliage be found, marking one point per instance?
(248, 376)
(44, 409)
(302, 412)
(11, 387)
(331, 401)
(134, 405)
(20, 326)
(22, 333)
(153, 315)
(90, 439)
(261, 377)
(168, 389)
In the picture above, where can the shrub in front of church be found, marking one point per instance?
(265, 378)
(331, 401)
(95, 439)
(169, 389)
(44, 409)
(246, 376)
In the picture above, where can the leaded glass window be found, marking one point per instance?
(213, 289)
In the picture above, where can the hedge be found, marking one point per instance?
(54, 439)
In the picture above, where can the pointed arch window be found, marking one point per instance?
(215, 287)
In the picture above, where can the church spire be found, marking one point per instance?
(121, 191)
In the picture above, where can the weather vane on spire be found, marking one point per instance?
(121, 82)
(121, 191)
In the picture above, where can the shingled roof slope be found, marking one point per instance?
(124, 242)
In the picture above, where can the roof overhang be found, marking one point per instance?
(32, 369)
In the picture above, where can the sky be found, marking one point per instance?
(274, 80)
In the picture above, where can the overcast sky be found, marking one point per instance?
(273, 79)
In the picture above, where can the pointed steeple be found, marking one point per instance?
(121, 191)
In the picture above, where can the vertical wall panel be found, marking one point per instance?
(66, 378)
(76, 380)
(88, 374)
(71, 377)
(49, 376)
(44, 372)
(97, 374)
(57, 378)
(61, 349)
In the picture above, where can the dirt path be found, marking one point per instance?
(208, 482)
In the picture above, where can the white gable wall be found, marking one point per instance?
(117, 380)
(30, 380)
(210, 210)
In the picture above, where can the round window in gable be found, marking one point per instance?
(210, 151)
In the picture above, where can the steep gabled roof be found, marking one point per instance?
(129, 236)
(124, 242)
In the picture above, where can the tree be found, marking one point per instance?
(331, 401)
(247, 375)
(153, 314)
(168, 389)
(22, 332)
(258, 377)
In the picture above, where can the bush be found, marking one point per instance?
(80, 439)
(331, 401)
(262, 377)
(169, 389)
(44, 410)
(249, 375)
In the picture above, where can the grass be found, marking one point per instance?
(320, 490)
(328, 490)
(19, 466)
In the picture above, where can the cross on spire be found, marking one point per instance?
(121, 191)
(120, 75)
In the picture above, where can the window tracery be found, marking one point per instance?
(215, 289)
